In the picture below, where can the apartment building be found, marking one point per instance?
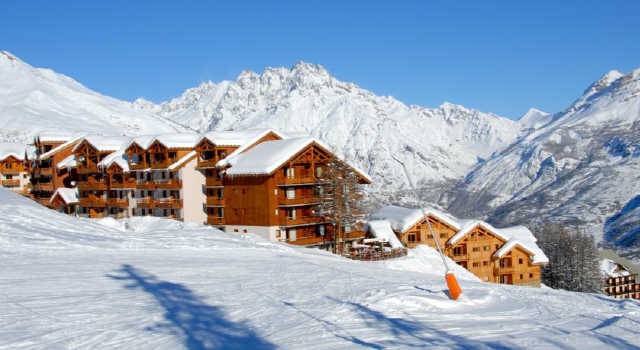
(501, 255)
(619, 281)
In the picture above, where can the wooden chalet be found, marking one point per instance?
(505, 255)
(65, 200)
(14, 168)
(273, 189)
(53, 166)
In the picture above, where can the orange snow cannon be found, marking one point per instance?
(452, 284)
(450, 278)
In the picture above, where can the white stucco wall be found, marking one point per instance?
(193, 197)
(266, 232)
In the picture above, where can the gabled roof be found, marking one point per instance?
(56, 136)
(267, 157)
(238, 138)
(68, 195)
(175, 140)
(63, 146)
(182, 161)
(69, 162)
(116, 157)
(105, 143)
(402, 219)
(381, 229)
(469, 225)
(524, 238)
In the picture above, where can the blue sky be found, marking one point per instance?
(496, 56)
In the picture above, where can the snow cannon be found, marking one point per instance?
(452, 284)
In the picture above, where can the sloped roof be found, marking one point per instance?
(116, 157)
(69, 162)
(402, 218)
(468, 226)
(381, 229)
(174, 140)
(180, 162)
(65, 145)
(105, 143)
(53, 136)
(237, 138)
(68, 195)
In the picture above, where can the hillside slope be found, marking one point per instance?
(152, 283)
(579, 168)
(37, 99)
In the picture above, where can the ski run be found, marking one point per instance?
(73, 283)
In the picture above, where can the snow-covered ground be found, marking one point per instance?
(158, 284)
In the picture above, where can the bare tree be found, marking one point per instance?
(341, 197)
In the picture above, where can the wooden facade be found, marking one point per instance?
(622, 287)
(14, 174)
(45, 176)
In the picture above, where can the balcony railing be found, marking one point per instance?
(215, 201)
(11, 183)
(297, 180)
(92, 184)
(168, 203)
(301, 220)
(206, 163)
(118, 202)
(145, 202)
(310, 240)
(213, 181)
(305, 200)
(93, 201)
(43, 186)
(123, 184)
(45, 171)
(167, 183)
(215, 220)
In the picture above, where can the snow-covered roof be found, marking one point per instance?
(467, 226)
(530, 246)
(237, 138)
(381, 229)
(265, 158)
(610, 268)
(105, 143)
(174, 140)
(402, 218)
(53, 136)
(69, 162)
(16, 150)
(68, 195)
(182, 160)
(117, 157)
(63, 146)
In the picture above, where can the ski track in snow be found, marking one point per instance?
(73, 283)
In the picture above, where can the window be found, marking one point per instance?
(320, 230)
(172, 154)
(291, 193)
(292, 233)
(530, 275)
(411, 238)
(520, 261)
(443, 235)
(476, 264)
(486, 248)
(318, 171)
(289, 172)
(291, 213)
(476, 249)
(521, 276)
(459, 250)
(276, 212)
(485, 263)
(275, 191)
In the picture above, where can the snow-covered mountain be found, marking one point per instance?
(403, 147)
(580, 167)
(37, 99)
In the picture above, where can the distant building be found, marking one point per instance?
(619, 281)
(14, 167)
(501, 255)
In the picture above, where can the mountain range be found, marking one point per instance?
(578, 166)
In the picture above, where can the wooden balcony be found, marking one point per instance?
(118, 202)
(215, 201)
(93, 202)
(11, 171)
(168, 203)
(87, 169)
(45, 171)
(11, 183)
(301, 220)
(206, 163)
(168, 183)
(125, 184)
(215, 220)
(146, 202)
(303, 180)
(298, 201)
(310, 240)
(159, 164)
(213, 181)
(146, 185)
(348, 236)
(43, 186)
(92, 184)
(138, 166)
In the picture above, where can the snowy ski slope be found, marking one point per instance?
(68, 283)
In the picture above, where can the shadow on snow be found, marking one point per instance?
(201, 325)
